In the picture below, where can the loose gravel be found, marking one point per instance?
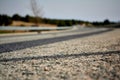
(95, 57)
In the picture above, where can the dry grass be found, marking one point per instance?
(21, 23)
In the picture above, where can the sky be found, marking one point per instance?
(87, 10)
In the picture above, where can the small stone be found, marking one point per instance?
(57, 62)
(46, 69)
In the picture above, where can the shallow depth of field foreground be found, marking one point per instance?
(80, 56)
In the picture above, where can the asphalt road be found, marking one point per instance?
(18, 42)
(35, 36)
(77, 54)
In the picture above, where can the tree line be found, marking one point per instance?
(7, 20)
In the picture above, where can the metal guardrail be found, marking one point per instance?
(33, 28)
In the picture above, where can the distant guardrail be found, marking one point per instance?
(32, 28)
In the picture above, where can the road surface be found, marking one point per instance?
(77, 54)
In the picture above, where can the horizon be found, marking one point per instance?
(71, 9)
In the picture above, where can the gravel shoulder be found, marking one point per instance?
(95, 57)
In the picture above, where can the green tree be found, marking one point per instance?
(16, 17)
(5, 20)
(106, 22)
(1, 20)
(27, 18)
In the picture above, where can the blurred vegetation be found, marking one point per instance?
(105, 22)
(6, 20)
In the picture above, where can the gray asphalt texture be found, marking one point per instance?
(78, 54)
